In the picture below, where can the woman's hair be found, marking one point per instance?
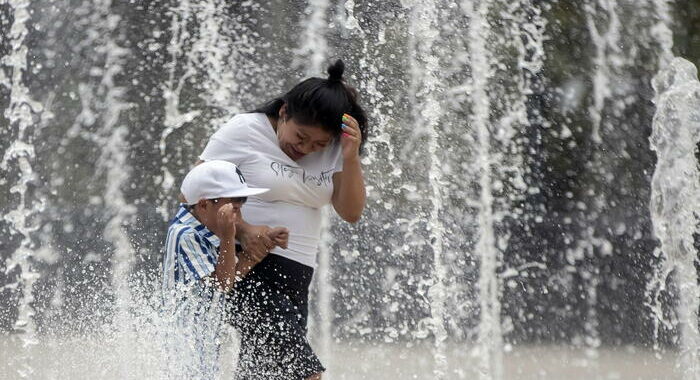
(321, 102)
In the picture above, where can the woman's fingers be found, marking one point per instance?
(256, 243)
(281, 242)
(279, 236)
(351, 125)
(350, 132)
(277, 231)
(350, 137)
(350, 121)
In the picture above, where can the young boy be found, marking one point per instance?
(200, 264)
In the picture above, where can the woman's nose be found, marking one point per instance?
(306, 148)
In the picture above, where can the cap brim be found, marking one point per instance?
(239, 193)
(245, 192)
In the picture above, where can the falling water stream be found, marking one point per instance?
(311, 54)
(21, 114)
(675, 191)
(424, 23)
(489, 328)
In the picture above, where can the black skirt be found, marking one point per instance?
(269, 307)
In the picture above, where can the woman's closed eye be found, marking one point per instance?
(316, 145)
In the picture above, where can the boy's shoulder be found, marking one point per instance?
(179, 230)
(183, 233)
(177, 226)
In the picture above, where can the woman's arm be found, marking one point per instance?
(349, 195)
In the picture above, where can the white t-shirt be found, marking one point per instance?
(298, 189)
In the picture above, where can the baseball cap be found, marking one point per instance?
(216, 179)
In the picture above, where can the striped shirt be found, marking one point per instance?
(191, 250)
(194, 306)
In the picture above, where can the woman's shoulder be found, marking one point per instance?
(235, 139)
(249, 118)
(241, 123)
(246, 120)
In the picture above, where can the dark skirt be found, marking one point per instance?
(269, 308)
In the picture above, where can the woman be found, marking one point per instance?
(304, 146)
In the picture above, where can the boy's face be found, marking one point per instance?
(207, 211)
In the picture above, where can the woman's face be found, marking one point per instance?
(297, 140)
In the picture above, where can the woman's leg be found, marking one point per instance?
(273, 342)
(271, 318)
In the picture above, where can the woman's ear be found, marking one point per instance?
(283, 112)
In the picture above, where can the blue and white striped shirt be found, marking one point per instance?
(194, 305)
(191, 250)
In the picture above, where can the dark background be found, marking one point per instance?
(575, 207)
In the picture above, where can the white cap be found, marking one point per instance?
(215, 179)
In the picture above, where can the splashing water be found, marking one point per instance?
(489, 329)
(507, 228)
(312, 51)
(311, 54)
(21, 114)
(424, 23)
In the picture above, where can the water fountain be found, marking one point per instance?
(674, 208)
(21, 115)
(509, 178)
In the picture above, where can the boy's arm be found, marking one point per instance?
(244, 265)
(226, 266)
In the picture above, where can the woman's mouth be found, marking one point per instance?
(295, 154)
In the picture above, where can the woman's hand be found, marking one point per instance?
(257, 241)
(280, 236)
(351, 138)
(349, 193)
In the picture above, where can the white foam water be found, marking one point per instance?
(424, 24)
(675, 197)
(21, 114)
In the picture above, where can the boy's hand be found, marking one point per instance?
(226, 219)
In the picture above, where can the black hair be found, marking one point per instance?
(321, 102)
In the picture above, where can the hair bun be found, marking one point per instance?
(335, 71)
